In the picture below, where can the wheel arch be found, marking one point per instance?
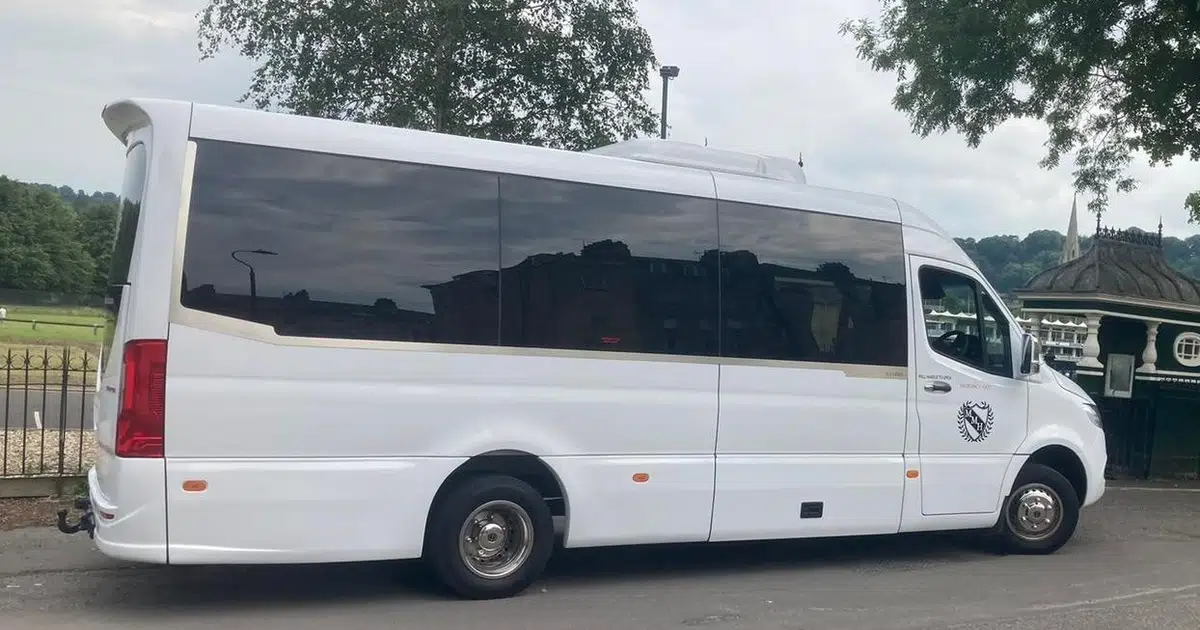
(516, 463)
(1067, 462)
(1063, 459)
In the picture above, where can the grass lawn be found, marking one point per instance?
(56, 326)
(29, 312)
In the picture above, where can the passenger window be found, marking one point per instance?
(319, 245)
(806, 286)
(964, 323)
(589, 267)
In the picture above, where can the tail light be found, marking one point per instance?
(141, 419)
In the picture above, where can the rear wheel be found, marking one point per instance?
(1041, 513)
(489, 537)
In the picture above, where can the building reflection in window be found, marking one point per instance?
(370, 249)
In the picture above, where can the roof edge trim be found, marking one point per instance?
(1107, 298)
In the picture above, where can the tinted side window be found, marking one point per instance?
(132, 190)
(973, 311)
(597, 268)
(130, 211)
(804, 286)
(320, 245)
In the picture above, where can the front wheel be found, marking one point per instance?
(489, 537)
(1041, 513)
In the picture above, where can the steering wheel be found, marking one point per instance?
(955, 341)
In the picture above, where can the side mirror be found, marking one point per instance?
(1031, 355)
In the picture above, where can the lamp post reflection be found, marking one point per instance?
(253, 284)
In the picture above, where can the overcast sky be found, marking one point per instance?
(771, 76)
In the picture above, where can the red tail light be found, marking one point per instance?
(141, 420)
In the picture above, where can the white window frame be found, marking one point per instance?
(1187, 361)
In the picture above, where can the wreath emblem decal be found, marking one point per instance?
(975, 421)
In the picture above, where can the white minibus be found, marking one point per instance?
(337, 342)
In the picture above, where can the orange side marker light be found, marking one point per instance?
(640, 477)
(195, 485)
(912, 474)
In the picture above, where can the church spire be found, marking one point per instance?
(1071, 243)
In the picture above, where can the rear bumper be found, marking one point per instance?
(135, 530)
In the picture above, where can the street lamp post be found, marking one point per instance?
(253, 284)
(668, 73)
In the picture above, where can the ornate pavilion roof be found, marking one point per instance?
(1122, 264)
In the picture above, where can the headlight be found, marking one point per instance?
(1093, 414)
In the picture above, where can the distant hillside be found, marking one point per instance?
(79, 197)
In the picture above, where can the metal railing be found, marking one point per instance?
(34, 323)
(46, 396)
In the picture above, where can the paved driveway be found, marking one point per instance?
(55, 408)
(1134, 564)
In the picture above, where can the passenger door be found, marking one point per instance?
(972, 410)
(813, 409)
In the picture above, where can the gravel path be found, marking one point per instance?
(36, 452)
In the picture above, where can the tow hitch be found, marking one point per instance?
(86, 521)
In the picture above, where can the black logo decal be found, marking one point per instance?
(975, 420)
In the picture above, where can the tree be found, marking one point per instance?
(97, 232)
(39, 241)
(1110, 78)
(561, 73)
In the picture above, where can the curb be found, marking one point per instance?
(37, 487)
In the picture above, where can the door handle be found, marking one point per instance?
(937, 387)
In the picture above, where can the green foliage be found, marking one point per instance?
(97, 216)
(79, 199)
(39, 241)
(1008, 261)
(97, 230)
(1110, 78)
(53, 241)
(562, 73)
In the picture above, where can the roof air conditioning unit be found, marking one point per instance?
(689, 155)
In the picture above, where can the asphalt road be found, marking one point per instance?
(18, 404)
(1135, 564)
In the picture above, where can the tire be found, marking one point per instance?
(525, 522)
(1038, 487)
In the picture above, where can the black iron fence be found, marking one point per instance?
(46, 396)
